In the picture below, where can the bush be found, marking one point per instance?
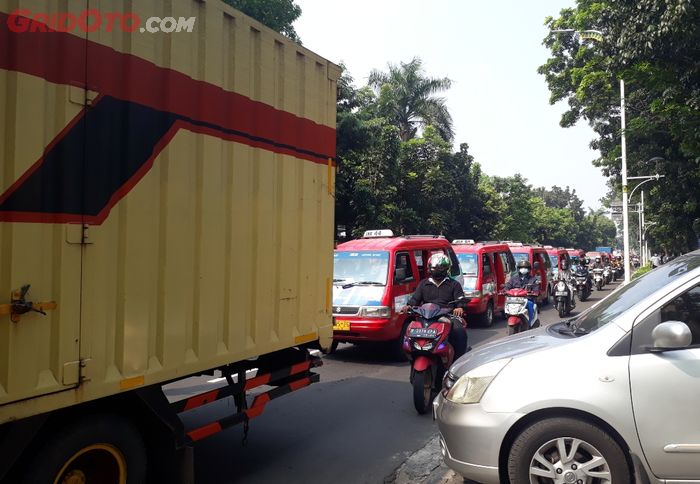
(641, 271)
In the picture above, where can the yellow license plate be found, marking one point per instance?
(341, 325)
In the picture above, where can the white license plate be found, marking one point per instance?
(562, 293)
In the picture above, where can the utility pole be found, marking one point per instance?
(625, 215)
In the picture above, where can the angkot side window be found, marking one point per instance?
(418, 254)
(455, 271)
(403, 272)
(486, 264)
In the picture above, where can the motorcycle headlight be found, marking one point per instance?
(375, 312)
(561, 286)
(472, 385)
(428, 346)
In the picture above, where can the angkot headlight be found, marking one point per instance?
(472, 385)
(375, 312)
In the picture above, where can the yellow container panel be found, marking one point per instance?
(206, 216)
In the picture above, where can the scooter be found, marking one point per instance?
(607, 274)
(430, 351)
(517, 312)
(564, 297)
(583, 286)
(598, 279)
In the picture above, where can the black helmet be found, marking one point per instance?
(524, 264)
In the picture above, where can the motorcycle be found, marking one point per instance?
(517, 312)
(583, 285)
(431, 354)
(598, 279)
(607, 274)
(564, 297)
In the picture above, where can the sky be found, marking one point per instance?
(490, 50)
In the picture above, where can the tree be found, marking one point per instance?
(406, 97)
(279, 15)
(654, 46)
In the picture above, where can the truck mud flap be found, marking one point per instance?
(284, 380)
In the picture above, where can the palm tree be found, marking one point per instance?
(407, 98)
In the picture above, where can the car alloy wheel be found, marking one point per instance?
(568, 460)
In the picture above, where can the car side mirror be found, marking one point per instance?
(536, 266)
(670, 335)
(400, 274)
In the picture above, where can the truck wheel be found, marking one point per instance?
(105, 449)
(422, 390)
(486, 319)
(591, 455)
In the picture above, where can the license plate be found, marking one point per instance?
(422, 333)
(341, 325)
(562, 293)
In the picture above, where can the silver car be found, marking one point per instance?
(611, 396)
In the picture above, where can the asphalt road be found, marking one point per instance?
(357, 425)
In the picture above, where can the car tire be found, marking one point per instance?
(541, 439)
(98, 448)
(487, 317)
(397, 351)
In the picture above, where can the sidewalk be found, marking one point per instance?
(425, 466)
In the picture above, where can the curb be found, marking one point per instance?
(425, 466)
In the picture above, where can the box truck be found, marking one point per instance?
(166, 211)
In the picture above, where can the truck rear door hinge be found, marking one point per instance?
(78, 234)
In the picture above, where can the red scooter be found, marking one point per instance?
(431, 354)
(517, 312)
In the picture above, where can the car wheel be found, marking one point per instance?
(486, 319)
(397, 345)
(566, 450)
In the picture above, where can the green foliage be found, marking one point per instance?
(406, 97)
(654, 46)
(641, 271)
(279, 15)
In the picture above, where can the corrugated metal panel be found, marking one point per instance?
(218, 247)
(34, 350)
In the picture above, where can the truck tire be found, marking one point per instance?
(540, 444)
(105, 449)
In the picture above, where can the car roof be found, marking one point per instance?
(394, 243)
(557, 251)
(526, 249)
(479, 247)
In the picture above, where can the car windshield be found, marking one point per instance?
(468, 264)
(624, 298)
(555, 263)
(521, 256)
(364, 267)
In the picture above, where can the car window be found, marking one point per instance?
(518, 256)
(486, 264)
(468, 263)
(636, 291)
(456, 270)
(684, 308)
(403, 272)
(418, 254)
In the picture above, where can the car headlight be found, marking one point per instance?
(472, 385)
(472, 293)
(375, 312)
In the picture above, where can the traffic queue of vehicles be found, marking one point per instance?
(375, 276)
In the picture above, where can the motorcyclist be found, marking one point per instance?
(581, 270)
(524, 280)
(565, 275)
(442, 290)
(598, 264)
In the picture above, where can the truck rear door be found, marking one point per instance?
(42, 134)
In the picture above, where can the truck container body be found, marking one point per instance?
(168, 197)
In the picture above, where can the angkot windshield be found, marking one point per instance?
(468, 264)
(360, 267)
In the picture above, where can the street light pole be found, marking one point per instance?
(625, 215)
(643, 239)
